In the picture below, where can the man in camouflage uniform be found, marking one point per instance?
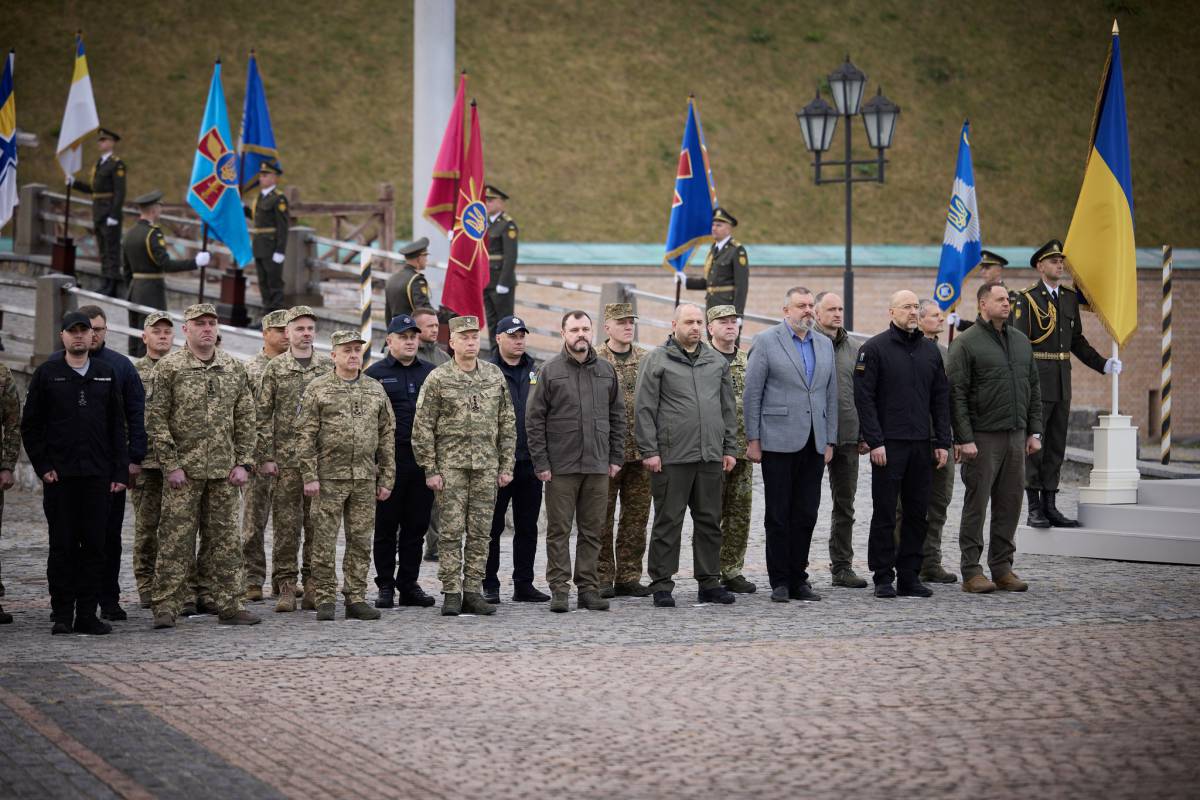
(464, 437)
(10, 447)
(283, 383)
(500, 296)
(726, 278)
(738, 491)
(407, 290)
(345, 436)
(107, 188)
(256, 498)
(201, 421)
(429, 352)
(269, 231)
(620, 574)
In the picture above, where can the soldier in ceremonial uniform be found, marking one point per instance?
(990, 270)
(107, 188)
(146, 262)
(726, 280)
(270, 221)
(1048, 313)
(407, 290)
(499, 297)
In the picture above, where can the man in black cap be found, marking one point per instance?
(74, 433)
(269, 215)
(990, 270)
(146, 262)
(499, 298)
(408, 507)
(1048, 313)
(407, 290)
(106, 185)
(726, 280)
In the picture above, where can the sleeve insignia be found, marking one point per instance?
(742, 259)
(282, 204)
(120, 172)
(512, 232)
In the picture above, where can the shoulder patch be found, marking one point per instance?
(120, 171)
(282, 205)
(512, 232)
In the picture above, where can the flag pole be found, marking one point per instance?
(678, 286)
(203, 246)
(1116, 380)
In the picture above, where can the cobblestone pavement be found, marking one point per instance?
(1082, 687)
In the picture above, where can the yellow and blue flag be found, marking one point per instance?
(8, 143)
(256, 139)
(80, 117)
(695, 196)
(962, 241)
(214, 185)
(1100, 248)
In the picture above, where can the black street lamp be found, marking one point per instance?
(818, 120)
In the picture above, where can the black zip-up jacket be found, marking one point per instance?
(133, 395)
(520, 378)
(402, 385)
(75, 424)
(901, 389)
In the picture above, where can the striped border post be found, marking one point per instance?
(1164, 395)
(364, 302)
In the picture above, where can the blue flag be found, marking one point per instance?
(214, 185)
(961, 244)
(256, 140)
(694, 199)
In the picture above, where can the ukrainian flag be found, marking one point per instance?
(1100, 246)
(79, 118)
(8, 143)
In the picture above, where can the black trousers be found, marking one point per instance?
(908, 474)
(525, 493)
(108, 242)
(406, 512)
(76, 558)
(270, 283)
(1043, 467)
(110, 578)
(792, 490)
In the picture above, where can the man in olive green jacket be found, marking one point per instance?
(995, 408)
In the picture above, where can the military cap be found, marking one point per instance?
(490, 192)
(722, 215)
(511, 324)
(1051, 248)
(717, 312)
(106, 133)
(345, 337)
(200, 310)
(989, 259)
(155, 317)
(149, 198)
(619, 311)
(401, 323)
(460, 324)
(295, 312)
(415, 248)
(73, 319)
(270, 168)
(275, 319)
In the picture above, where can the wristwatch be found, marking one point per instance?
(1037, 436)
(247, 467)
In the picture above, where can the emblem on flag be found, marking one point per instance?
(224, 175)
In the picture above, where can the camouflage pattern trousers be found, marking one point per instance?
(210, 508)
(256, 508)
(290, 512)
(147, 508)
(352, 503)
(632, 485)
(736, 497)
(465, 507)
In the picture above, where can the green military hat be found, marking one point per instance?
(106, 133)
(722, 215)
(416, 248)
(491, 192)
(295, 312)
(155, 317)
(270, 168)
(345, 337)
(716, 312)
(1051, 248)
(200, 310)
(989, 259)
(460, 324)
(619, 311)
(148, 199)
(275, 319)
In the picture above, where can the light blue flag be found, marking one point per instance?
(214, 185)
(256, 141)
(962, 243)
(695, 196)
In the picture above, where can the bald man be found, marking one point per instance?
(903, 400)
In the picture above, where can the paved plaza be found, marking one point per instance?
(1083, 687)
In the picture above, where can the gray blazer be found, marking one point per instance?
(781, 408)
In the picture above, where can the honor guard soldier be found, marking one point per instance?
(499, 297)
(990, 270)
(407, 290)
(1048, 313)
(107, 188)
(726, 278)
(269, 216)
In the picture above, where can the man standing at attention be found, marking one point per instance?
(407, 290)
(269, 232)
(499, 298)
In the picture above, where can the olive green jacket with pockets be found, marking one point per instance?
(994, 383)
(685, 409)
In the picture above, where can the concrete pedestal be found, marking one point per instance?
(1114, 478)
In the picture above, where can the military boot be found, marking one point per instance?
(936, 574)
(308, 601)
(848, 579)
(492, 596)
(385, 598)
(1035, 518)
(1009, 582)
(473, 603)
(528, 593)
(92, 626)
(558, 603)
(164, 619)
(325, 612)
(739, 585)
(451, 605)
(1051, 512)
(238, 618)
(361, 610)
(254, 593)
(715, 594)
(188, 609)
(607, 591)
(414, 595)
(592, 601)
(287, 597)
(632, 589)
(977, 584)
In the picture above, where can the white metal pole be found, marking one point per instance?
(434, 76)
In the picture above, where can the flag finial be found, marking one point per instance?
(1116, 30)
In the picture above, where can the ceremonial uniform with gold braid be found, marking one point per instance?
(269, 213)
(145, 262)
(726, 278)
(107, 188)
(502, 254)
(405, 291)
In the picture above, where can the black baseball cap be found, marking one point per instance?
(74, 318)
(511, 325)
(401, 323)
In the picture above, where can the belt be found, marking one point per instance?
(148, 276)
(1052, 356)
(714, 289)
(495, 256)
(262, 230)
(101, 194)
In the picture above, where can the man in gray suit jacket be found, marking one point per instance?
(791, 427)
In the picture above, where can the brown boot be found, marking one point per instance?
(287, 597)
(309, 601)
(977, 584)
(1009, 582)
(254, 593)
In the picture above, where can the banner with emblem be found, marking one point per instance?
(441, 202)
(8, 143)
(962, 240)
(468, 272)
(80, 117)
(213, 189)
(256, 139)
(694, 198)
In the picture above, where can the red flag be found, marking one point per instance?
(468, 272)
(440, 204)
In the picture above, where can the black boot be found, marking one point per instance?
(1036, 518)
(1052, 513)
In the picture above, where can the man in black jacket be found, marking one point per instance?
(900, 389)
(74, 432)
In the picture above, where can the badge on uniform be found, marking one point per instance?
(512, 233)
(532, 378)
(282, 204)
(742, 259)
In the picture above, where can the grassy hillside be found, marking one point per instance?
(583, 103)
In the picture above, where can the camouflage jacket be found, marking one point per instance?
(200, 417)
(10, 420)
(627, 374)
(282, 384)
(346, 431)
(145, 370)
(464, 420)
(255, 368)
(737, 374)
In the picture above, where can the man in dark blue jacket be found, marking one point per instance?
(407, 509)
(74, 432)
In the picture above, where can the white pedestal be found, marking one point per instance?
(1114, 478)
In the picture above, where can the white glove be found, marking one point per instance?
(739, 322)
(952, 319)
(70, 180)
(202, 258)
(679, 276)
(1112, 366)
(112, 221)
(277, 258)
(502, 289)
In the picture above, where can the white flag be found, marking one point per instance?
(80, 117)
